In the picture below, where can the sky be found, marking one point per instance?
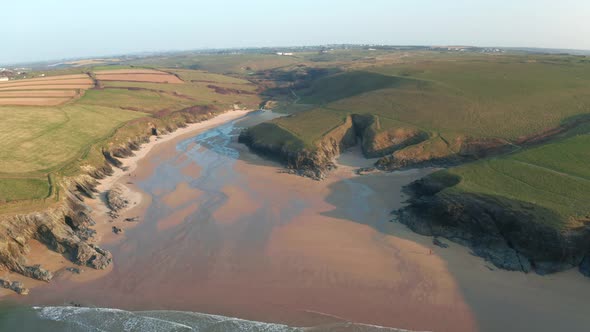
(38, 30)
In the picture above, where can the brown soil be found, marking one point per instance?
(48, 78)
(49, 82)
(49, 87)
(41, 93)
(33, 101)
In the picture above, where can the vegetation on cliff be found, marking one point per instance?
(516, 125)
(52, 157)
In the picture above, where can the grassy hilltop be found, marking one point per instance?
(427, 108)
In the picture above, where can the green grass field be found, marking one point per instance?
(43, 143)
(453, 97)
(555, 176)
(234, 64)
(480, 97)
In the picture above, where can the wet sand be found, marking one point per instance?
(234, 236)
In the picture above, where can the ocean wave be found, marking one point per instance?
(107, 319)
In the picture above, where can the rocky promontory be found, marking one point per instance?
(313, 162)
(513, 235)
(64, 229)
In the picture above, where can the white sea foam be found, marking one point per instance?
(107, 319)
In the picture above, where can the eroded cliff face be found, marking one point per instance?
(437, 151)
(398, 148)
(513, 235)
(313, 163)
(376, 143)
(66, 227)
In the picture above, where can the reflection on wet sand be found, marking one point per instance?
(233, 236)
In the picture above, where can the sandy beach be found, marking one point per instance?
(223, 231)
(138, 201)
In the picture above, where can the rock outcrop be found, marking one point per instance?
(398, 148)
(65, 226)
(16, 286)
(512, 235)
(376, 143)
(311, 162)
(437, 151)
(116, 199)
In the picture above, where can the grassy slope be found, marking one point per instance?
(475, 95)
(242, 64)
(554, 176)
(478, 97)
(41, 140)
(38, 141)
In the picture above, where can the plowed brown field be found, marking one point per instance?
(39, 93)
(47, 82)
(48, 87)
(33, 101)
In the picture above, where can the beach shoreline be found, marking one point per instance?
(236, 236)
(138, 201)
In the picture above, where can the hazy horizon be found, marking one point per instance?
(68, 29)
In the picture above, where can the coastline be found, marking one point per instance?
(131, 166)
(217, 238)
(55, 262)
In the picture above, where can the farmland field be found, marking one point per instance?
(38, 82)
(44, 91)
(64, 86)
(45, 132)
(35, 101)
(132, 77)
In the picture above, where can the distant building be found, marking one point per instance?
(3, 79)
(284, 53)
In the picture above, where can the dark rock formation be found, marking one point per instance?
(437, 242)
(36, 272)
(585, 266)
(313, 163)
(512, 235)
(74, 270)
(16, 286)
(116, 199)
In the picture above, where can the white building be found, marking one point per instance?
(3, 79)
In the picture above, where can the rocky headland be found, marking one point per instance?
(513, 235)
